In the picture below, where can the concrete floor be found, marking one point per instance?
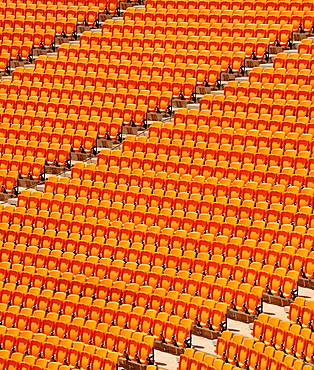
(308, 294)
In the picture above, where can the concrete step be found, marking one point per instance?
(240, 79)
(12, 201)
(217, 92)
(291, 51)
(193, 106)
(266, 65)
(40, 187)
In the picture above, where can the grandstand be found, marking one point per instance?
(157, 185)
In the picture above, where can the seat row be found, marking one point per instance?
(244, 352)
(286, 259)
(191, 242)
(247, 16)
(236, 160)
(294, 92)
(176, 239)
(201, 144)
(266, 106)
(228, 157)
(53, 154)
(181, 88)
(196, 34)
(20, 350)
(211, 5)
(57, 25)
(197, 24)
(176, 77)
(37, 39)
(131, 114)
(106, 69)
(42, 134)
(257, 25)
(248, 121)
(223, 182)
(28, 167)
(214, 182)
(187, 128)
(205, 176)
(9, 182)
(127, 56)
(229, 122)
(192, 359)
(227, 269)
(153, 100)
(202, 312)
(82, 78)
(243, 297)
(113, 80)
(203, 15)
(287, 20)
(63, 105)
(219, 183)
(124, 343)
(58, 123)
(281, 75)
(93, 52)
(28, 363)
(305, 47)
(114, 316)
(75, 94)
(163, 43)
(159, 62)
(287, 98)
(14, 26)
(274, 282)
(150, 62)
(102, 95)
(35, 342)
(216, 225)
(31, 9)
(250, 169)
(25, 18)
(300, 61)
(301, 312)
(156, 49)
(177, 213)
(78, 140)
(161, 257)
(125, 189)
(155, 300)
(251, 121)
(18, 51)
(284, 336)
